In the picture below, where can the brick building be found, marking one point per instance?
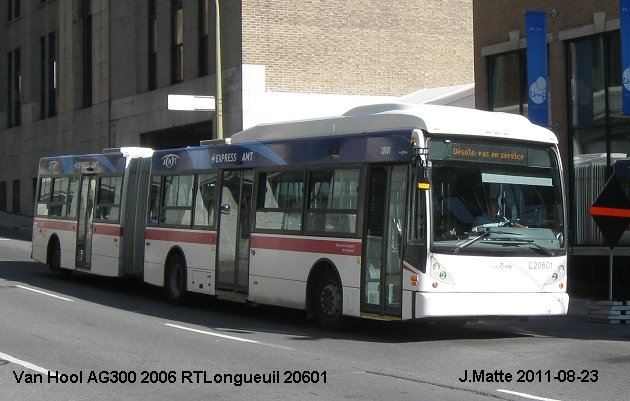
(82, 75)
(585, 81)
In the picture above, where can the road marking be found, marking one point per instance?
(529, 396)
(24, 364)
(227, 337)
(210, 333)
(44, 293)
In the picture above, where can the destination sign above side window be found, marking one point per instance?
(202, 157)
(77, 164)
(234, 156)
(486, 153)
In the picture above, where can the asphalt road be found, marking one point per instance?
(90, 338)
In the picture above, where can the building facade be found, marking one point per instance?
(585, 109)
(83, 75)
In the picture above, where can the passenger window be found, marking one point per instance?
(108, 198)
(280, 200)
(332, 201)
(178, 200)
(205, 200)
(43, 201)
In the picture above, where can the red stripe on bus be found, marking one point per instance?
(193, 237)
(311, 245)
(63, 225)
(609, 211)
(106, 229)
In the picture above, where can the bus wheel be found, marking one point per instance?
(175, 284)
(54, 261)
(329, 302)
(54, 257)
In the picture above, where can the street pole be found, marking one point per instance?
(610, 275)
(219, 95)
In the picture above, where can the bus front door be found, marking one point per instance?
(83, 256)
(381, 272)
(232, 273)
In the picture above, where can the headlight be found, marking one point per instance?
(556, 276)
(440, 274)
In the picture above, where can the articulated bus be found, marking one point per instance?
(83, 205)
(390, 212)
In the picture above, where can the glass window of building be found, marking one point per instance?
(14, 87)
(508, 82)
(177, 50)
(204, 32)
(152, 73)
(598, 131)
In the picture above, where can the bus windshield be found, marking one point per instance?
(490, 198)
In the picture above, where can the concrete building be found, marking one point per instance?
(585, 81)
(83, 75)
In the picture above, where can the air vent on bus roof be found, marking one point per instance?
(210, 142)
(377, 108)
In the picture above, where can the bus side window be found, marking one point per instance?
(108, 198)
(58, 201)
(43, 201)
(73, 199)
(333, 198)
(279, 202)
(177, 206)
(205, 200)
(154, 200)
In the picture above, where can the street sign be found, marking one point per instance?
(191, 102)
(611, 211)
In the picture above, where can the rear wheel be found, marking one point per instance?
(54, 257)
(54, 260)
(175, 283)
(329, 301)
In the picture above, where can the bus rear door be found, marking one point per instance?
(83, 257)
(234, 231)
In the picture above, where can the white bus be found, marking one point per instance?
(389, 212)
(82, 204)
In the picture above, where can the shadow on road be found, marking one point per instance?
(235, 318)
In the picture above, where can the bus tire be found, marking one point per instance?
(329, 301)
(54, 260)
(175, 280)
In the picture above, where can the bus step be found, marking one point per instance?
(232, 296)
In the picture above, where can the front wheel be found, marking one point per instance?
(175, 283)
(329, 302)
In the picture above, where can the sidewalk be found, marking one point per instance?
(577, 306)
(16, 222)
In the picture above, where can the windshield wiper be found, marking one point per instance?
(470, 242)
(519, 241)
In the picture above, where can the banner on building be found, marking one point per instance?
(538, 95)
(624, 13)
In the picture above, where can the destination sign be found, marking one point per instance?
(486, 153)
